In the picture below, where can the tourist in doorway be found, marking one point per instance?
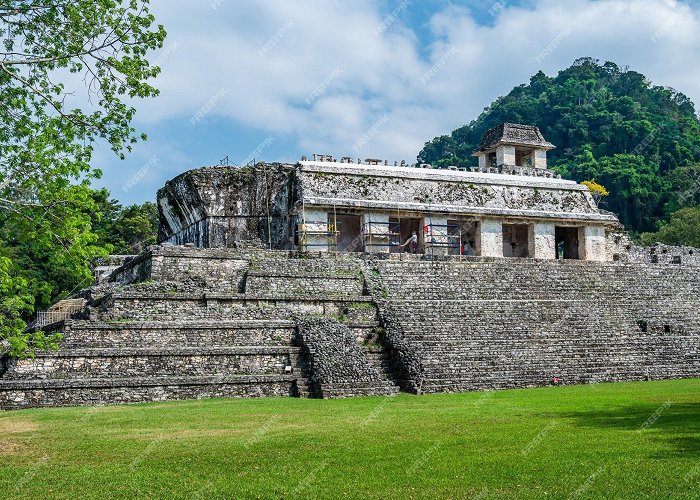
(412, 243)
(467, 248)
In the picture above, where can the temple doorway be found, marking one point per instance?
(566, 242)
(516, 240)
(349, 237)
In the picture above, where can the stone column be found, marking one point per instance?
(375, 229)
(436, 237)
(316, 228)
(505, 155)
(541, 241)
(540, 158)
(491, 238)
(591, 240)
(483, 161)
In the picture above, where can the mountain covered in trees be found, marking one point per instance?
(611, 125)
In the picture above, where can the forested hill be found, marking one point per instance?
(640, 141)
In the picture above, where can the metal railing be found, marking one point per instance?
(64, 311)
(44, 318)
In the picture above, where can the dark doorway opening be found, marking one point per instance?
(349, 234)
(516, 239)
(566, 242)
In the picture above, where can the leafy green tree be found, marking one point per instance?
(125, 230)
(54, 55)
(682, 229)
(685, 188)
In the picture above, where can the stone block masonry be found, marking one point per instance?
(180, 322)
(183, 323)
(491, 324)
(337, 365)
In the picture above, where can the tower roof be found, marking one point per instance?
(515, 134)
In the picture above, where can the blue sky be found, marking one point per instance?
(277, 79)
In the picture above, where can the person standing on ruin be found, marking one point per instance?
(412, 243)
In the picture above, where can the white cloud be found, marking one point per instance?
(305, 41)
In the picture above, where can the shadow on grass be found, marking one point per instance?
(675, 424)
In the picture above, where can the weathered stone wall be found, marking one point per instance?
(164, 334)
(227, 206)
(183, 322)
(495, 323)
(663, 254)
(127, 362)
(75, 392)
(435, 190)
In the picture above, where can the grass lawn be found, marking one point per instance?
(619, 440)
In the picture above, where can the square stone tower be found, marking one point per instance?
(513, 145)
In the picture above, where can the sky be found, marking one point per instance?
(273, 80)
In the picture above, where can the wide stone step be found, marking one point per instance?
(75, 392)
(155, 362)
(324, 265)
(380, 388)
(303, 283)
(145, 307)
(183, 333)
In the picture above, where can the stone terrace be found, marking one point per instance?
(181, 323)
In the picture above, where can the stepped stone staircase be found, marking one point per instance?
(491, 324)
(183, 323)
(180, 323)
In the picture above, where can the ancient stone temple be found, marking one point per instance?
(510, 206)
(296, 280)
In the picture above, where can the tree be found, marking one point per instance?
(597, 191)
(125, 230)
(682, 229)
(68, 70)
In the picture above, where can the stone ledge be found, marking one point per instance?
(361, 170)
(238, 324)
(460, 209)
(302, 275)
(144, 381)
(164, 351)
(240, 297)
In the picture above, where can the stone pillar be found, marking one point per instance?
(541, 241)
(540, 158)
(375, 229)
(491, 238)
(591, 240)
(505, 155)
(436, 238)
(483, 161)
(315, 229)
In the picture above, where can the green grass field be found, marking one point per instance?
(620, 440)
